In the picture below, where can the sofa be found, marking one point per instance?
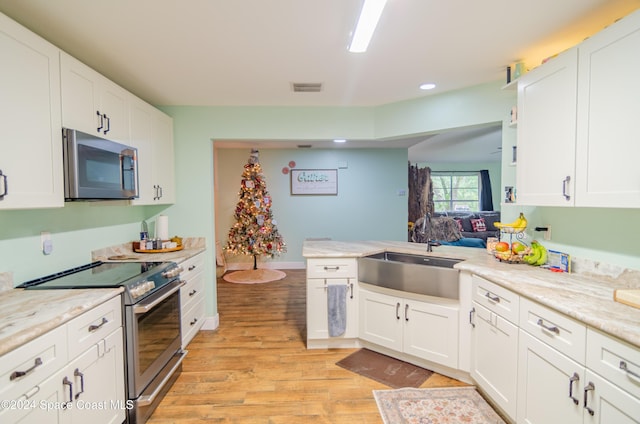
(471, 223)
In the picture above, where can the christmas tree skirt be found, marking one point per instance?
(254, 276)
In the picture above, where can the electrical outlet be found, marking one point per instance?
(46, 243)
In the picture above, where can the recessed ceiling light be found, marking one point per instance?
(367, 22)
(427, 86)
(339, 140)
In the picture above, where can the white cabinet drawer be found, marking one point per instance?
(192, 291)
(332, 268)
(93, 326)
(558, 331)
(27, 366)
(192, 321)
(615, 360)
(496, 299)
(191, 266)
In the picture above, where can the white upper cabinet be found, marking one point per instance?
(547, 133)
(91, 103)
(608, 136)
(152, 134)
(30, 123)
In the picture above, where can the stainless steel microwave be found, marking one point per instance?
(98, 169)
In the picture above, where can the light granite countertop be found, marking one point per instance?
(192, 246)
(28, 314)
(586, 296)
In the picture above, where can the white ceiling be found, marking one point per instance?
(249, 52)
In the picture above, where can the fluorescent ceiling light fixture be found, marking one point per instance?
(367, 22)
(427, 86)
(339, 140)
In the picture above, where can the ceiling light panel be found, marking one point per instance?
(367, 22)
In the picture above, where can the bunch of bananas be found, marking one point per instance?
(537, 256)
(516, 226)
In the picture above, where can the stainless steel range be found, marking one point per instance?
(151, 311)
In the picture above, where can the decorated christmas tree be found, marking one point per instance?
(254, 232)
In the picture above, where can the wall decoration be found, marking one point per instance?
(314, 181)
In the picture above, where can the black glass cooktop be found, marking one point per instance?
(95, 275)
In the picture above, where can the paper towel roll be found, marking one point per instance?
(162, 227)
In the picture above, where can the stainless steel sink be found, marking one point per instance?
(429, 275)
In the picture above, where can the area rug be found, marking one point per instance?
(254, 276)
(435, 406)
(385, 369)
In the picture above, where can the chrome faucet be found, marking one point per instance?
(426, 229)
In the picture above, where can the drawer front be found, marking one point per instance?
(496, 299)
(93, 326)
(332, 268)
(558, 331)
(29, 365)
(191, 266)
(192, 321)
(193, 290)
(614, 360)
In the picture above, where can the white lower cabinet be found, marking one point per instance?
(47, 382)
(425, 329)
(321, 274)
(192, 308)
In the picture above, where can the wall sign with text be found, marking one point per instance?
(314, 181)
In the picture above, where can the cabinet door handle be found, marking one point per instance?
(160, 192)
(4, 185)
(406, 312)
(553, 329)
(191, 268)
(623, 367)
(108, 123)
(574, 377)
(66, 382)
(101, 116)
(191, 293)
(565, 188)
(17, 374)
(94, 327)
(77, 373)
(193, 322)
(588, 387)
(351, 290)
(492, 297)
(398, 310)
(471, 313)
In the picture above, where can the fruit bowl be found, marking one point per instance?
(509, 257)
(512, 230)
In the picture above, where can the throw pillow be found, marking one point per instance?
(478, 225)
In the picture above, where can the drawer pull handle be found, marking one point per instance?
(193, 322)
(94, 327)
(553, 329)
(191, 293)
(492, 297)
(66, 382)
(331, 268)
(77, 373)
(191, 268)
(623, 367)
(574, 377)
(588, 387)
(18, 374)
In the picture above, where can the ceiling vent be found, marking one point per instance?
(304, 146)
(306, 87)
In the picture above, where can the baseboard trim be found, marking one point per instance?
(211, 323)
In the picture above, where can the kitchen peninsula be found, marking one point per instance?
(525, 336)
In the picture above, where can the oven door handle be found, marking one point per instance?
(146, 307)
(148, 400)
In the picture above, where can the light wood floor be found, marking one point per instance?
(255, 367)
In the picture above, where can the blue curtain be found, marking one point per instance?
(486, 198)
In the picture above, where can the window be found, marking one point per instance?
(456, 191)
